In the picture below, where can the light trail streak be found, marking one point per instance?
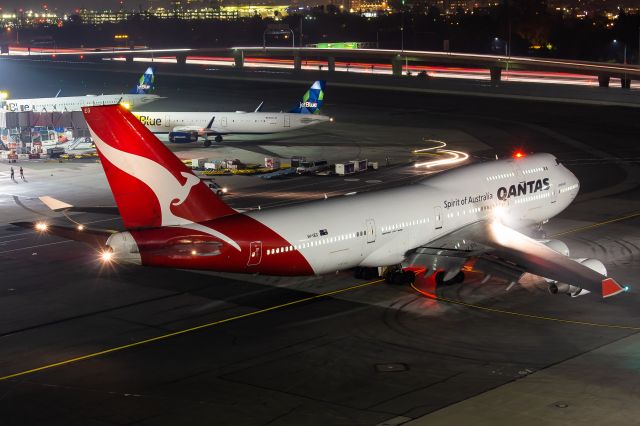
(455, 157)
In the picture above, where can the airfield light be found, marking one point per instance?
(80, 227)
(106, 255)
(331, 119)
(225, 189)
(193, 252)
(4, 95)
(127, 105)
(42, 226)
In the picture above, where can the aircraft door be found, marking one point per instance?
(255, 253)
(371, 230)
(223, 121)
(287, 121)
(167, 121)
(437, 217)
(554, 192)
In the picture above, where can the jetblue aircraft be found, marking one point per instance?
(189, 126)
(476, 212)
(139, 96)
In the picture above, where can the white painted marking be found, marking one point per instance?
(39, 245)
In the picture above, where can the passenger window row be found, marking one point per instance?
(501, 176)
(402, 225)
(309, 244)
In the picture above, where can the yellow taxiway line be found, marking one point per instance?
(188, 330)
(598, 224)
(521, 314)
(331, 293)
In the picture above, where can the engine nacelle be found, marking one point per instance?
(122, 247)
(557, 246)
(593, 264)
(568, 289)
(183, 137)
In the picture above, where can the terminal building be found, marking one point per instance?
(35, 133)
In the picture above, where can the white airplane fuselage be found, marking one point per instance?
(75, 103)
(225, 123)
(395, 221)
(379, 228)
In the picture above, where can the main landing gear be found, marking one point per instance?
(396, 276)
(207, 142)
(365, 273)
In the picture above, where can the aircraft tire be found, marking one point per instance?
(218, 138)
(357, 273)
(207, 143)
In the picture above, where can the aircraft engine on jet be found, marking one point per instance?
(183, 137)
(121, 247)
(557, 246)
(574, 291)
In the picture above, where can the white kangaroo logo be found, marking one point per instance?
(168, 190)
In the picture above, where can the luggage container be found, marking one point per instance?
(198, 163)
(345, 169)
(360, 165)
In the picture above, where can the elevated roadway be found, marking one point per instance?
(495, 63)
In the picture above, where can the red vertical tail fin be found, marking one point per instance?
(151, 186)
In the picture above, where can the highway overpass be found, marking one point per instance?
(397, 58)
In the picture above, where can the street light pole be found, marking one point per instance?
(402, 33)
(301, 18)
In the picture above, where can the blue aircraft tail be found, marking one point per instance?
(312, 99)
(146, 83)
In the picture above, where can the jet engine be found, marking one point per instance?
(557, 246)
(183, 137)
(574, 291)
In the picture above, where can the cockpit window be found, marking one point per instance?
(557, 162)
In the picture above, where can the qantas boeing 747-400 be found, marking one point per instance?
(473, 212)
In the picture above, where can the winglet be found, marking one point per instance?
(610, 288)
(53, 204)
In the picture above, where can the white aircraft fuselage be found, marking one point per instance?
(226, 123)
(76, 103)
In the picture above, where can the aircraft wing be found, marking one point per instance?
(522, 252)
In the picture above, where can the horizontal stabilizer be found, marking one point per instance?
(58, 206)
(93, 237)
(54, 204)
